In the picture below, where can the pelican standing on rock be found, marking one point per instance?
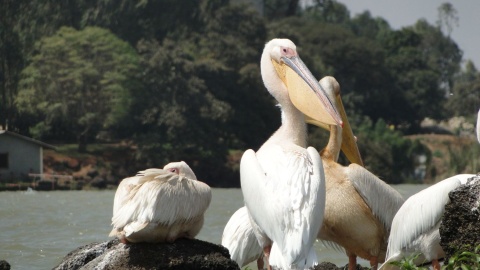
(160, 205)
(359, 207)
(283, 182)
(415, 226)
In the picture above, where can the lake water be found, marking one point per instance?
(37, 229)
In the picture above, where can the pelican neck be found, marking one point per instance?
(293, 128)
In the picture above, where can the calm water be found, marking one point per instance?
(37, 229)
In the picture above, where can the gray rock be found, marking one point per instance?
(4, 265)
(183, 254)
(460, 227)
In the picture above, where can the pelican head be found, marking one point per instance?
(288, 79)
(181, 168)
(348, 140)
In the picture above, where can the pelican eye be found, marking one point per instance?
(173, 170)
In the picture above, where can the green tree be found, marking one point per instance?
(442, 54)
(447, 17)
(387, 153)
(178, 117)
(79, 82)
(204, 94)
(147, 19)
(11, 60)
(465, 97)
(327, 11)
(232, 42)
(415, 88)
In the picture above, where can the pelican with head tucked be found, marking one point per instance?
(415, 228)
(283, 182)
(359, 207)
(160, 205)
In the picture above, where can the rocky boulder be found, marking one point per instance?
(183, 254)
(4, 265)
(460, 227)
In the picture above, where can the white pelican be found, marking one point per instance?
(239, 238)
(359, 207)
(415, 226)
(160, 205)
(283, 182)
(478, 126)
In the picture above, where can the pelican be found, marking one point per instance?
(160, 205)
(415, 226)
(283, 182)
(478, 126)
(239, 238)
(359, 207)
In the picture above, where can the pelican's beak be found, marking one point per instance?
(305, 92)
(349, 143)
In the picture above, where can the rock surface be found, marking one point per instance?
(183, 254)
(4, 265)
(460, 227)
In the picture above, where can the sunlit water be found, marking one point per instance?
(37, 229)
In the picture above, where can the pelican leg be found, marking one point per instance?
(435, 264)
(352, 262)
(260, 263)
(124, 240)
(374, 263)
(266, 252)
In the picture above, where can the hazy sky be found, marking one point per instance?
(402, 13)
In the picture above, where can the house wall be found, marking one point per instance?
(23, 157)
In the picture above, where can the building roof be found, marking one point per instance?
(44, 145)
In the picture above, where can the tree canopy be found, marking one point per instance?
(78, 83)
(181, 79)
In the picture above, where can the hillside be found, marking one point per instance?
(450, 155)
(105, 165)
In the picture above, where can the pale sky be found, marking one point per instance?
(402, 13)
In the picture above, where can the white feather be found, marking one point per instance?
(157, 205)
(239, 238)
(415, 226)
(289, 217)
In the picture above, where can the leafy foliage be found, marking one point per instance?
(181, 79)
(465, 260)
(462, 259)
(387, 153)
(79, 81)
(408, 263)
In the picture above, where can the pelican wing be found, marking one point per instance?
(383, 200)
(164, 198)
(127, 185)
(123, 191)
(239, 238)
(286, 199)
(419, 214)
(150, 171)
